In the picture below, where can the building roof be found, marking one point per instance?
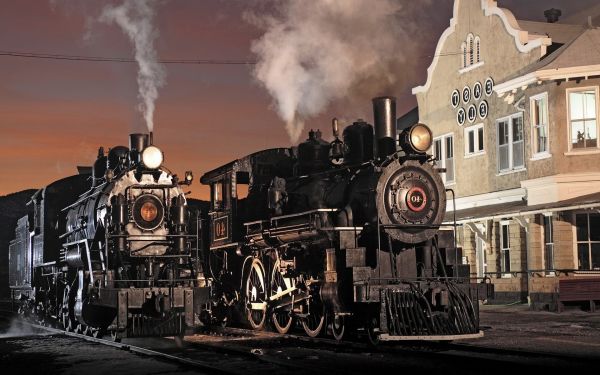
(520, 208)
(559, 32)
(579, 57)
(408, 119)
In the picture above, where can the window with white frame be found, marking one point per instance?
(548, 243)
(583, 118)
(470, 46)
(470, 50)
(474, 140)
(539, 124)
(505, 247)
(510, 143)
(443, 150)
(588, 241)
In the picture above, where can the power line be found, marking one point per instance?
(50, 56)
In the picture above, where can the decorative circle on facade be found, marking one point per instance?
(455, 99)
(472, 113)
(489, 86)
(483, 109)
(461, 116)
(477, 91)
(466, 94)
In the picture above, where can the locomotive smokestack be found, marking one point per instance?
(138, 142)
(384, 116)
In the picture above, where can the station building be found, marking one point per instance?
(513, 106)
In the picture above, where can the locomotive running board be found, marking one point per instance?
(386, 337)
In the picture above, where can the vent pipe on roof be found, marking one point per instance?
(552, 15)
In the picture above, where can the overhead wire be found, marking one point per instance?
(51, 56)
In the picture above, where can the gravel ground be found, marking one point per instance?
(573, 332)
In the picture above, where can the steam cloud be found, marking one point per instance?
(135, 18)
(315, 52)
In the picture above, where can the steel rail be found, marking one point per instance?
(136, 349)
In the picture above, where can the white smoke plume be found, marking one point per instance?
(316, 52)
(135, 19)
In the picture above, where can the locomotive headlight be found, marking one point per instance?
(149, 211)
(416, 139)
(152, 157)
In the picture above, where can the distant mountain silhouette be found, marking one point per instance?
(12, 207)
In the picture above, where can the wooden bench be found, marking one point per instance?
(579, 290)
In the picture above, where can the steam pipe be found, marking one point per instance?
(335, 127)
(384, 116)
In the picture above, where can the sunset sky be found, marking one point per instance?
(54, 114)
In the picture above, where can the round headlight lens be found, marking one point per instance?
(420, 138)
(148, 212)
(152, 157)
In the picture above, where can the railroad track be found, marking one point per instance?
(222, 359)
(243, 351)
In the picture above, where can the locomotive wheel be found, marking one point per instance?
(282, 319)
(338, 327)
(315, 321)
(255, 293)
(67, 319)
(115, 336)
(97, 332)
(372, 329)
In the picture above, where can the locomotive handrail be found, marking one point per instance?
(134, 237)
(81, 200)
(304, 213)
(351, 229)
(402, 226)
(81, 227)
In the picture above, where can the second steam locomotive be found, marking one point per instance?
(334, 237)
(342, 232)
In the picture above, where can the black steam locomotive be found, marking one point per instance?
(340, 235)
(111, 249)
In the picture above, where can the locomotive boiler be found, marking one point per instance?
(338, 236)
(113, 249)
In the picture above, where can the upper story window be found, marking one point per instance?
(583, 118)
(510, 143)
(539, 124)
(470, 51)
(474, 140)
(443, 150)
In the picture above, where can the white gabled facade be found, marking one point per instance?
(512, 113)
